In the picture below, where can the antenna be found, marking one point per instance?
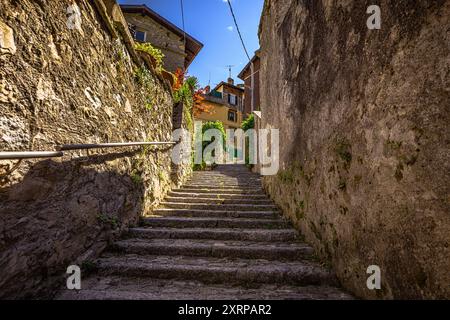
(229, 69)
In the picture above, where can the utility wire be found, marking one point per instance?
(184, 29)
(238, 30)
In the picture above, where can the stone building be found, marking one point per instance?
(179, 48)
(250, 76)
(225, 103)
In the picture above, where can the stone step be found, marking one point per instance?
(179, 222)
(135, 288)
(209, 213)
(215, 270)
(266, 235)
(193, 194)
(224, 207)
(223, 187)
(284, 251)
(218, 200)
(221, 190)
(224, 180)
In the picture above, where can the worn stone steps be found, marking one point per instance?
(208, 213)
(225, 207)
(221, 191)
(232, 196)
(267, 235)
(181, 222)
(218, 200)
(219, 188)
(218, 237)
(282, 251)
(136, 288)
(215, 270)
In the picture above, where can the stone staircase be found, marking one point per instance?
(217, 237)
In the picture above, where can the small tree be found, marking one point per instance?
(206, 126)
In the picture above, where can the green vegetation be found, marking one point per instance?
(393, 145)
(342, 149)
(206, 126)
(113, 222)
(136, 178)
(144, 78)
(248, 123)
(286, 176)
(300, 212)
(156, 54)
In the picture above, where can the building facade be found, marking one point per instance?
(225, 103)
(146, 25)
(250, 76)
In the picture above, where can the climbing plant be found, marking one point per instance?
(144, 78)
(157, 54)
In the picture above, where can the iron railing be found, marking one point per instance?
(18, 155)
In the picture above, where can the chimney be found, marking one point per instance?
(207, 89)
(231, 81)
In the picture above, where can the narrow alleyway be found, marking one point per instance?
(217, 237)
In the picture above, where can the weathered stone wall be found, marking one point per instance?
(60, 85)
(364, 135)
(170, 44)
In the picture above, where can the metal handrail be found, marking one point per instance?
(67, 147)
(17, 155)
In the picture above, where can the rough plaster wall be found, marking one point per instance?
(364, 147)
(71, 86)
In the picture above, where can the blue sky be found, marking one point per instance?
(210, 22)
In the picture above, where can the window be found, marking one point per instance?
(232, 116)
(140, 35)
(232, 99)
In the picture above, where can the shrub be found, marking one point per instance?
(155, 53)
(206, 126)
(248, 123)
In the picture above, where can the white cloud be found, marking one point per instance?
(230, 28)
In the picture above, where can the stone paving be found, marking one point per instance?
(217, 237)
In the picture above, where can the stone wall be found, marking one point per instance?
(61, 85)
(364, 116)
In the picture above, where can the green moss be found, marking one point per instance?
(286, 176)
(136, 178)
(393, 145)
(343, 150)
(113, 222)
(300, 210)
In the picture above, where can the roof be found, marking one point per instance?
(193, 46)
(223, 83)
(256, 56)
